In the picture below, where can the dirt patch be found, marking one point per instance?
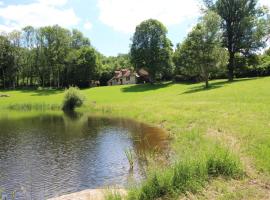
(4, 95)
(91, 194)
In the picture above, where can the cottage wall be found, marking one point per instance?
(125, 81)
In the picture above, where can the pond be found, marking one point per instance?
(50, 155)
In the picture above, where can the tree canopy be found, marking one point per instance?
(151, 49)
(243, 25)
(201, 52)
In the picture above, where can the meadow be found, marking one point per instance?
(220, 136)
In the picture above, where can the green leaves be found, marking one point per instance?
(151, 49)
(242, 25)
(201, 52)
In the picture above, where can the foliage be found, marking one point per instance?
(49, 56)
(243, 25)
(151, 49)
(7, 67)
(81, 66)
(72, 99)
(201, 52)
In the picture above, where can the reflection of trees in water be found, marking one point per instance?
(144, 136)
(63, 127)
(57, 135)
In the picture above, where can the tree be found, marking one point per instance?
(7, 67)
(78, 40)
(201, 52)
(82, 64)
(151, 49)
(243, 28)
(56, 46)
(15, 40)
(28, 42)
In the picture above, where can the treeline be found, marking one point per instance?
(49, 56)
(53, 56)
(224, 43)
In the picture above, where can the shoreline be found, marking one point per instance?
(91, 194)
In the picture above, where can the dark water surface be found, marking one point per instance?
(52, 155)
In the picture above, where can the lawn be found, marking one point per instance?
(234, 116)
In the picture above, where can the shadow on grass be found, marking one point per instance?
(44, 92)
(146, 87)
(215, 85)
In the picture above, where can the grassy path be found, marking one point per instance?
(231, 115)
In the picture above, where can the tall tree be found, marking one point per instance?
(78, 39)
(15, 40)
(202, 53)
(151, 49)
(28, 42)
(242, 27)
(7, 69)
(82, 65)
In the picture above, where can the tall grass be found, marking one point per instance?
(113, 195)
(130, 156)
(34, 106)
(188, 175)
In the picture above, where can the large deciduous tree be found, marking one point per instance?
(82, 64)
(202, 53)
(151, 49)
(243, 27)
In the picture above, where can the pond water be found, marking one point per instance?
(51, 155)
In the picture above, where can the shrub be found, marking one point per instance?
(72, 99)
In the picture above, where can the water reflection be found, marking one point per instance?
(51, 155)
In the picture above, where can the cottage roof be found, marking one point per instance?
(122, 73)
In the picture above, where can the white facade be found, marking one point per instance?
(123, 80)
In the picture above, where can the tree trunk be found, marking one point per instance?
(4, 79)
(58, 77)
(231, 66)
(206, 82)
(31, 76)
(18, 81)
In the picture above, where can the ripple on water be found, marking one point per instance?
(52, 155)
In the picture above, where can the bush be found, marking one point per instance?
(72, 99)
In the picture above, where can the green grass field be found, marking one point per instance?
(234, 116)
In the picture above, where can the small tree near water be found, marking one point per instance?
(72, 99)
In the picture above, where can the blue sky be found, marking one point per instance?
(109, 24)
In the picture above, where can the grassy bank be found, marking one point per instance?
(232, 116)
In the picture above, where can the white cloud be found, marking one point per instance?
(54, 2)
(37, 14)
(264, 3)
(124, 15)
(87, 25)
(1, 3)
